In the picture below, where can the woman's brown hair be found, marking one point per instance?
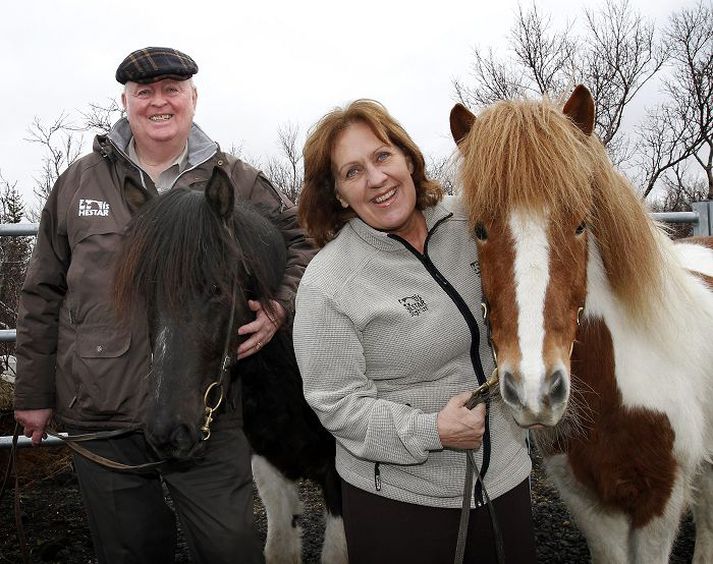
(320, 213)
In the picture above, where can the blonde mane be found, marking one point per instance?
(528, 155)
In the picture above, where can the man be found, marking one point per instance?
(78, 362)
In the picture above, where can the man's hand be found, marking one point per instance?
(460, 427)
(262, 329)
(34, 422)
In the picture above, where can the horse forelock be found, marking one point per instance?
(175, 247)
(528, 156)
(525, 155)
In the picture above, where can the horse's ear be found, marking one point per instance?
(462, 119)
(580, 109)
(135, 195)
(220, 193)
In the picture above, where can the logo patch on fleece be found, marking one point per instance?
(93, 207)
(414, 305)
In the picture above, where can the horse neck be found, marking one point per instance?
(679, 319)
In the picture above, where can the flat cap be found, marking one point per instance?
(155, 63)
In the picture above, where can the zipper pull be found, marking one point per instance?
(377, 477)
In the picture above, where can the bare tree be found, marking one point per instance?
(14, 255)
(681, 130)
(493, 79)
(541, 63)
(285, 170)
(100, 118)
(622, 57)
(62, 145)
(443, 170)
(615, 57)
(548, 56)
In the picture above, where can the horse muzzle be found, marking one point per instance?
(175, 441)
(535, 400)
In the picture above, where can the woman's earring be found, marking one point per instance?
(342, 201)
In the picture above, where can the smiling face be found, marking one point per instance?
(160, 112)
(374, 179)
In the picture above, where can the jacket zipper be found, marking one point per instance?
(475, 340)
(377, 476)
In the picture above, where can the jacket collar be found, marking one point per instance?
(381, 240)
(200, 146)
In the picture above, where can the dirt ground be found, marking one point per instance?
(56, 531)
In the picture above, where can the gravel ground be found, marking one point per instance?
(55, 525)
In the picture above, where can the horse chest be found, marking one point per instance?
(623, 455)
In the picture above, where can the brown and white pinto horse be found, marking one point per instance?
(620, 393)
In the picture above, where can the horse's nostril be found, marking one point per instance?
(181, 438)
(558, 386)
(509, 388)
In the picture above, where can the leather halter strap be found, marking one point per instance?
(223, 376)
(220, 384)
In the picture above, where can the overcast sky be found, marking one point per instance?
(263, 63)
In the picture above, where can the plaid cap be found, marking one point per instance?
(155, 63)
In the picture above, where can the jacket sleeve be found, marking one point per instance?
(38, 313)
(331, 359)
(300, 248)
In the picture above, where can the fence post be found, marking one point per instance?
(705, 218)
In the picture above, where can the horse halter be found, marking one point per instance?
(217, 386)
(482, 392)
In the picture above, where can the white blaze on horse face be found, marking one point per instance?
(159, 354)
(531, 270)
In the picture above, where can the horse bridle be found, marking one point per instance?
(220, 384)
(482, 392)
(217, 387)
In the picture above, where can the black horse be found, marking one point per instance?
(193, 259)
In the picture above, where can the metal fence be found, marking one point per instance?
(701, 217)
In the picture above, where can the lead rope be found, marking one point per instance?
(12, 469)
(480, 395)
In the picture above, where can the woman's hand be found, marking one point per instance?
(460, 427)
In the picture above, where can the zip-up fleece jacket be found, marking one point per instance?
(384, 337)
(73, 354)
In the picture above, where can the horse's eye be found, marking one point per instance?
(580, 228)
(480, 232)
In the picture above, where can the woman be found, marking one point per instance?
(390, 350)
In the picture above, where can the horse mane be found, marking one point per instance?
(176, 245)
(528, 155)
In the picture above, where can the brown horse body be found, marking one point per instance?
(600, 324)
